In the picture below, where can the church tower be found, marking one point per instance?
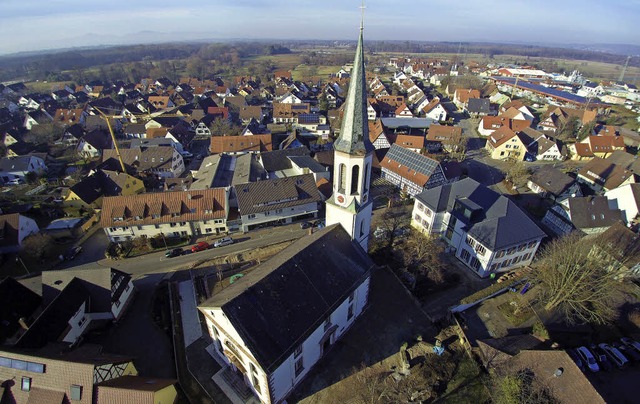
(350, 204)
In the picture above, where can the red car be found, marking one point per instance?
(201, 246)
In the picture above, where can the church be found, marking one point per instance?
(274, 324)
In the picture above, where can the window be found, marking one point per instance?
(251, 216)
(350, 312)
(427, 211)
(526, 256)
(475, 263)
(355, 177)
(278, 210)
(76, 392)
(352, 296)
(417, 218)
(342, 175)
(506, 263)
(420, 207)
(299, 367)
(157, 226)
(298, 351)
(532, 244)
(511, 250)
(464, 254)
(26, 384)
(256, 383)
(522, 247)
(327, 323)
(470, 241)
(500, 254)
(480, 249)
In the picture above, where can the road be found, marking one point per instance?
(155, 263)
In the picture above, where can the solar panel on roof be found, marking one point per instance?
(412, 159)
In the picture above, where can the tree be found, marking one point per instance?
(423, 255)
(222, 127)
(45, 133)
(196, 67)
(38, 245)
(393, 219)
(458, 146)
(578, 279)
(569, 129)
(518, 387)
(517, 174)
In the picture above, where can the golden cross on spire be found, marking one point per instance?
(362, 7)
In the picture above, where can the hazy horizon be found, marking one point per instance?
(36, 25)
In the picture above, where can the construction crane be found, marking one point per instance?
(624, 70)
(108, 118)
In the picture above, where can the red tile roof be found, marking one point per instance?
(235, 144)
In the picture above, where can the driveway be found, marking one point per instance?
(92, 250)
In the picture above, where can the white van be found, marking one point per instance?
(223, 241)
(614, 354)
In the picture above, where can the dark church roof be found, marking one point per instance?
(275, 307)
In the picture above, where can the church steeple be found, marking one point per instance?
(350, 204)
(354, 131)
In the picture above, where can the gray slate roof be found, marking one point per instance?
(479, 106)
(278, 193)
(277, 160)
(497, 222)
(552, 180)
(275, 307)
(592, 212)
(354, 132)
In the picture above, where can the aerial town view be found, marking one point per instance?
(319, 202)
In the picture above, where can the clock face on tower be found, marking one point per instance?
(340, 199)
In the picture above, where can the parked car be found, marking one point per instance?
(176, 252)
(588, 359)
(319, 223)
(632, 343)
(627, 351)
(223, 241)
(201, 246)
(73, 253)
(614, 354)
(576, 358)
(305, 225)
(186, 154)
(601, 357)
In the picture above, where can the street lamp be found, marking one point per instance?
(18, 259)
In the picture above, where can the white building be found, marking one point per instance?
(485, 230)
(14, 228)
(170, 214)
(627, 199)
(275, 323)
(410, 171)
(277, 201)
(16, 168)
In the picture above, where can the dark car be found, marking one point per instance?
(627, 351)
(305, 225)
(176, 252)
(601, 357)
(73, 253)
(201, 246)
(576, 358)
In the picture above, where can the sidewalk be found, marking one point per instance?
(192, 331)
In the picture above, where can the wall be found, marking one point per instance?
(27, 227)
(117, 309)
(287, 214)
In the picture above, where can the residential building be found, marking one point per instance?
(410, 171)
(270, 333)
(288, 113)
(599, 146)
(604, 175)
(556, 117)
(55, 374)
(627, 199)
(478, 107)
(413, 143)
(241, 144)
(590, 215)
(90, 190)
(542, 147)
(486, 230)
(169, 214)
(434, 110)
(17, 168)
(489, 124)
(160, 161)
(136, 389)
(14, 228)
(94, 143)
(277, 201)
(549, 182)
(377, 136)
(442, 137)
(350, 205)
(462, 95)
(505, 144)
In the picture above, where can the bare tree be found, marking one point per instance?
(393, 219)
(39, 245)
(517, 174)
(520, 387)
(423, 255)
(578, 281)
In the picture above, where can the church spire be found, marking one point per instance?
(354, 131)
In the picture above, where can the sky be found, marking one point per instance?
(27, 25)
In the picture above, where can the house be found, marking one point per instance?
(136, 389)
(410, 171)
(111, 290)
(160, 102)
(17, 168)
(241, 144)
(488, 124)
(542, 147)
(599, 146)
(549, 182)
(486, 230)
(251, 113)
(270, 334)
(504, 144)
(14, 228)
(462, 95)
(555, 118)
(592, 214)
(56, 374)
(170, 214)
(160, 161)
(413, 143)
(403, 112)
(37, 117)
(606, 130)
(622, 246)
(90, 190)
(288, 113)
(604, 175)
(478, 107)
(377, 136)
(94, 143)
(442, 137)
(69, 117)
(435, 110)
(277, 201)
(72, 135)
(627, 199)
